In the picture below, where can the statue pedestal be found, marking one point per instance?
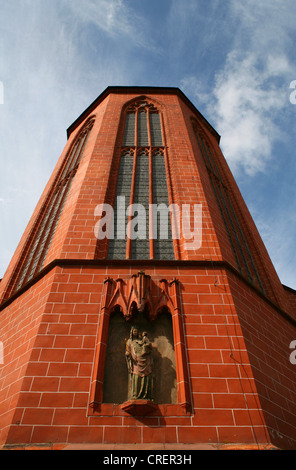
(139, 407)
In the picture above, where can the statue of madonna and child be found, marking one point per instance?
(139, 361)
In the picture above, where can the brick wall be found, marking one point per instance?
(268, 335)
(19, 327)
(51, 402)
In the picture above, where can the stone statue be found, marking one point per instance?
(139, 360)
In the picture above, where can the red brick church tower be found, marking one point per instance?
(198, 303)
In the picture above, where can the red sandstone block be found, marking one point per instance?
(85, 370)
(209, 299)
(249, 417)
(36, 416)
(71, 384)
(56, 400)
(29, 399)
(86, 309)
(67, 287)
(190, 280)
(217, 319)
(209, 385)
(213, 417)
(70, 416)
(52, 434)
(209, 279)
(200, 330)
(119, 435)
(76, 298)
(196, 309)
(61, 277)
(62, 369)
(202, 400)
(24, 384)
(237, 356)
(128, 420)
(189, 298)
(61, 308)
(198, 288)
(236, 434)
(166, 435)
(45, 384)
(195, 435)
(59, 329)
(50, 318)
(98, 279)
(95, 298)
(203, 356)
(17, 416)
(44, 341)
(52, 355)
(199, 370)
(237, 385)
(19, 434)
(37, 369)
(195, 342)
(220, 288)
(68, 342)
(229, 400)
(90, 288)
(216, 342)
(80, 278)
(84, 329)
(85, 434)
(222, 370)
(175, 421)
(76, 270)
(79, 355)
(73, 318)
(229, 329)
(227, 310)
(55, 297)
(105, 421)
(81, 400)
(89, 342)
(192, 319)
(42, 329)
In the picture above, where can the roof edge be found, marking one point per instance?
(139, 90)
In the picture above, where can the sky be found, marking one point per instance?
(234, 59)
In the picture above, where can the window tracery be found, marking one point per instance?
(39, 241)
(142, 180)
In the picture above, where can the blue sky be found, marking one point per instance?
(234, 59)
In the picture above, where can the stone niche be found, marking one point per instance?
(116, 386)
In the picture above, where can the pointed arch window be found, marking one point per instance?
(40, 239)
(142, 180)
(225, 201)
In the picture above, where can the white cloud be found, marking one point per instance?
(111, 16)
(192, 84)
(245, 104)
(114, 17)
(250, 90)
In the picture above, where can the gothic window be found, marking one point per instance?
(44, 229)
(226, 203)
(142, 181)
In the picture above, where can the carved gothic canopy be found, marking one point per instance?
(140, 294)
